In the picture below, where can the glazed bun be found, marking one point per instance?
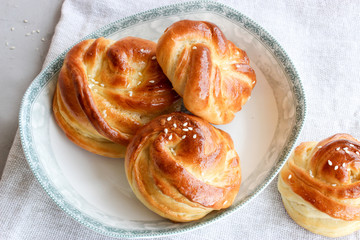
(211, 74)
(182, 168)
(320, 185)
(107, 90)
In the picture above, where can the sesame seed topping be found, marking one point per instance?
(170, 137)
(253, 82)
(26, 21)
(140, 73)
(311, 174)
(357, 152)
(153, 58)
(334, 185)
(190, 128)
(185, 129)
(104, 113)
(336, 168)
(174, 125)
(151, 81)
(28, 34)
(319, 146)
(38, 31)
(166, 130)
(185, 124)
(344, 165)
(12, 48)
(345, 148)
(33, 31)
(289, 176)
(172, 151)
(130, 93)
(194, 47)
(338, 148)
(351, 145)
(43, 39)
(183, 137)
(194, 136)
(330, 163)
(102, 85)
(169, 118)
(12, 29)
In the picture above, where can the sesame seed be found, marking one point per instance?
(102, 85)
(104, 113)
(345, 148)
(170, 137)
(237, 53)
(26, 21)
(357, 153)
(183, 137)
(43, 39)
(225, 202)
(194, 47)
(351, 145)
(172, 151)
(12, 29)
(153, 58)
(185, 129)
(12, 48)
(336, 168)
(169, 118)
(289, 176)
(166, 130)
(329, 162)
(194, 136)
(311, 174)
(253, 82)
(38, 31)
(140, 73)
(151, 81)
(174, 125)
(28, 34)
(333, 185)
(33, 31)
(338, 148)
(190, 128)
(185, 124)
(344, 165)
(138, 83)
(319, 146)
(130, 93)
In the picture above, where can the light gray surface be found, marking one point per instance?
(19, 66)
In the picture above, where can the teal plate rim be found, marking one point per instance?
(180, 8)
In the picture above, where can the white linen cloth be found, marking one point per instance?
(321, 37)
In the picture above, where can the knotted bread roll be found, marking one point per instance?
(211, 74)
(182, 168)
(320, 185)
(106, 90)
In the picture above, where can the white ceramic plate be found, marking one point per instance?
(93, 189)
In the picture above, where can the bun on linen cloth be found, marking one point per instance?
(320, 185)
(211, 74)
(107, 90)
(182, 168)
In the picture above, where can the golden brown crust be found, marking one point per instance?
(211, 74)
(182, 168)
(325, 175)
(107, 90)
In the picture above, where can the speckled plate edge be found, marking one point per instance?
(182, 8)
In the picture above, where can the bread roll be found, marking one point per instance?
(107, 90)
